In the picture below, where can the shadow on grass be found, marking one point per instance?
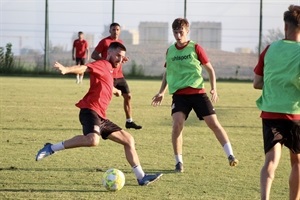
(48, 190)
(125, 171)
(13, 168)
(41, 128)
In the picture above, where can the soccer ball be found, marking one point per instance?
(113, 179)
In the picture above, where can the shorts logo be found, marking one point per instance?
(277, 135)
(173, 106)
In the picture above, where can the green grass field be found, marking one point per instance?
(39, 110)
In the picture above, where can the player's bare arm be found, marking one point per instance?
(212, 79)
(73, 53)
(258, 82)
(87, 54)
(76, 69)
(157, 99)
(96, 55)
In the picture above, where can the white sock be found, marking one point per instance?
(129, 120)
(138, 171)
(178, 158)
(228, 149)
(57, 147)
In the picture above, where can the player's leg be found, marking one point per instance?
(121, 84)
(180, 112)
(124, 138)
(177, 142)
(78, 60)
(205, 110)
(214, 124)
(127, 105)
(82, 62)
(221, 135)
(293, 140)
(267, 173)
(91, 129)
(273, 136)
(89, 140)
(294, 181)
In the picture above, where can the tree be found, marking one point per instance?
(6, 58)
(271, 36)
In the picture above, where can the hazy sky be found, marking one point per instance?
(22, 21)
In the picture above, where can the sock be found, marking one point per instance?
(138, 171)
(178, 158)
(57, 147)
(129, 120)
(228, 149)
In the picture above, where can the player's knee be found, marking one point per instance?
(295, 165)
(127, 97)
(130, 141)
(93, 140)
(214, 126)
(177, 126)
(269, 169)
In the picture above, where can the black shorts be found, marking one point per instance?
(80, 61)
(200, 103)
(89, 118)
(286, 132)
(121, 84)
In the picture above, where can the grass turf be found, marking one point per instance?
(39, 110)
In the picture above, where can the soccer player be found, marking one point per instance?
(277, 74)
(120, 83)
(92, 114)
(183, 76)
(80, 52)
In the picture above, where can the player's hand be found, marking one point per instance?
(214, 95)
(125, 59)
(60, 67)
(157, 99)
(117, 92)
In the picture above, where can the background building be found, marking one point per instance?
(207, 34)
(153, 32)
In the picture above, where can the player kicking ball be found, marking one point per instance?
(92, 113)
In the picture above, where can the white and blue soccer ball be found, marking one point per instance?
(113, 179)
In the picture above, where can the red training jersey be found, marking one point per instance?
(80, 48)
(101, 88)
(204, 60)
(102, 48)
(259, 70)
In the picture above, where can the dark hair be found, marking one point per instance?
(114, 24)
(116, 45)
(180, 23)
(80, 32)
(292, 15)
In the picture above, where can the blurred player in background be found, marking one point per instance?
(100, 53)
(80, 53)
(277, 73)
(183, 76)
